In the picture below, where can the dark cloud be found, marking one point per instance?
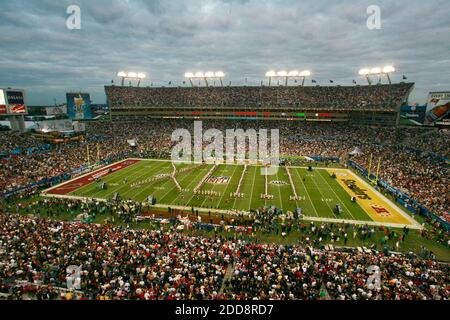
(245, 38)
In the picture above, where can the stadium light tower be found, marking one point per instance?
(365, 72)
(377, 71)
(139, 76)
(304, 74)
(387, 70)
(205, 76)
(286, 75)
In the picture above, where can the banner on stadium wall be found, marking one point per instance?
(54, 125)
(16, 102)
(12, 102)
(3, 109)
(79, 106)
(412, 115)
(57, 110)
(438, 107)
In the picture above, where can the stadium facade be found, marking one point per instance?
(372, 105)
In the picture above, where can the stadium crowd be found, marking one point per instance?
(380, 97)
(425, 177)
(120, 263)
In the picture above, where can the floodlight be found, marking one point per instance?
(271, 74)
(122, 74)
(132, 75)
(199, 75)
(375, 71)
(293, 73)
(141, 75)
(364, 72)
(209, 74)
(282, 73)
(305, 73)
(220, 74)
(189, 75)
(388, 69)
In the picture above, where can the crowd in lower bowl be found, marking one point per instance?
(413, 167)
(120, 263)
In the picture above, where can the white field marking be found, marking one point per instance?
(149, 185)
(382, 196)
(292, 186)
(205, 177)
(233, 213)
(360, 222)
(172, 189)
(193, 180)
(412, 221)
(190, 183)
(241, 178)
(86, 174)
(251, 193)
(291, 182)
(279, 193)
(213, 185)
(314, 180)
(117, 176)
(235, 199)
(307, 193)
(338, 196)
(154, 170)
(394, 206)
(225, 191)
(218, 185)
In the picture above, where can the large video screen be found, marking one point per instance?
(16, 102)
(438, 107)
(79, 106)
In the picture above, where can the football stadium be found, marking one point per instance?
(248, 183)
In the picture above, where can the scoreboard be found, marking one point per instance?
(12, 102)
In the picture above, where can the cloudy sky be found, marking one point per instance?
(244, 38)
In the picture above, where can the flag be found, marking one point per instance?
(313, 81)
(354, 81)
(184, 82)
(170, 82)
(17, 108)
(404, 77)
(331, 81)
(295, 80)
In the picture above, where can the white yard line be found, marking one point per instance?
(251, 193)
(307, 193)
(323, 197)
(332, 189)
(229, 183)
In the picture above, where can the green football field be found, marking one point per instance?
(318, 192)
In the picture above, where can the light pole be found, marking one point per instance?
(132, 76)
(286, 75)
(377, 71)
(205, 76)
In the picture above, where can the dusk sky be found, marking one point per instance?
(243, 38)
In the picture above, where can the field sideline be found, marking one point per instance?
(317, 192)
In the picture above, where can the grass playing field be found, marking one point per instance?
(317, 192)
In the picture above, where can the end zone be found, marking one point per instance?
(78, 182)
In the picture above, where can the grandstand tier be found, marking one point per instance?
(378, 104)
